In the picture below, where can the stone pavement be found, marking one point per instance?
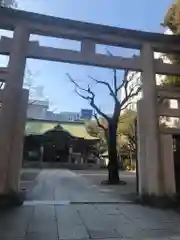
(80, 186)
(50, 214)
(28, 178)
(88, 221)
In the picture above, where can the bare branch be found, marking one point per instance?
(75, 83)
(133, 94)
(90, 98)
(98, 122)
(121, 85)
(82, 96)
(129, 95)
(131, 77)
(124, 81)
(94, 106)
(102, 82)
(125, 106)
(115, 82)
(112, 93)
(108, 52)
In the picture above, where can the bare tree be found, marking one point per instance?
(119, 105)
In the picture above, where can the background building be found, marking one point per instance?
(134, 79)
(39, 110)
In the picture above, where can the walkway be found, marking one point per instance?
(68, 205)
(64, 186)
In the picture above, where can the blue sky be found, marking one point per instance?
(139, 14)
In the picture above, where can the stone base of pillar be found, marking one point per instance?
(164, 202)
(167, 165)
(13, 199)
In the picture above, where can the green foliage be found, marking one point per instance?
(34, 128)
(126, 131)
(128, 165)
(126, 119)
(172, 21)
(172, 80)
(172, 18)
(93, 129)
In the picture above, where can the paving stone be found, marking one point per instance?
(40, 236)
(129, 230)
(91, 217)
(175, 237)
(10, 237)
(110, 209)
(44, 212)
(48, 226)
(17, 227)
(150, 224)
(99, 224)
(76, 232)
(159, 238)
(68, 216)
(157, 234)
(15, 221)
(116, 221)
(16, 214)
(103, 234)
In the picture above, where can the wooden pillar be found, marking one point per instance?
(152, 121)
(15, 162)
(168, 164)
(141, 148)
(11, 100)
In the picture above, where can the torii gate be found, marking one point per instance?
(19, 48)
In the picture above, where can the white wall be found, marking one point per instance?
(134, 82)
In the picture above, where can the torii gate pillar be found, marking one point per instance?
(11, 120)
(149, 155)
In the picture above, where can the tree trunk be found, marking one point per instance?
(113, 166)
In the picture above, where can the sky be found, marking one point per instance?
(51, 77)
